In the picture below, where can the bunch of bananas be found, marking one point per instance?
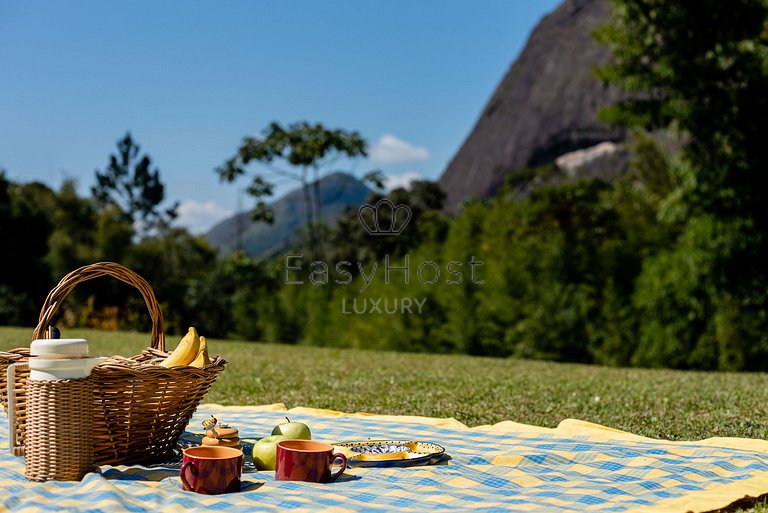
(191, 351)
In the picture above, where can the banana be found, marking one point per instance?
(202, 356)
(185, 352)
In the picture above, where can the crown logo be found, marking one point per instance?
(384, 218)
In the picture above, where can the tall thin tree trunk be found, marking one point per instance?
(239, 219)
(318, 210)
(309, 210)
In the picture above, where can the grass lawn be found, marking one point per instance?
(657, 403)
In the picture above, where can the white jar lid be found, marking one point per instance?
(59, 347)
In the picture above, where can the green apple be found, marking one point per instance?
(264, 452)
(293, 430)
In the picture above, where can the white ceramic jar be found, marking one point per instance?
(51, 360)
(65, 358)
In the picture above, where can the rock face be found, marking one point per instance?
(544, 107)
(606, 160)
(263, 240)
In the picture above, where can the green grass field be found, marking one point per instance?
(657, 403)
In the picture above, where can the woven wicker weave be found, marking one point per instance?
(140, 409)
(22, 373)
(59, 443)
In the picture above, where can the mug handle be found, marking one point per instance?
(343, 459)
(184, 466)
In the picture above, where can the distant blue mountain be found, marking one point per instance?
(262, 240)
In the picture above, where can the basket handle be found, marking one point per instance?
(88, 272)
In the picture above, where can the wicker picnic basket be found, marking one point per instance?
(140, 408)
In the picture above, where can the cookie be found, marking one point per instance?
(222, 432)
(221, 442)
(238, 446)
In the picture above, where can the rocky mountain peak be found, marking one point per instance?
(544, 107)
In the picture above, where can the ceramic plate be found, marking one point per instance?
(389, 453)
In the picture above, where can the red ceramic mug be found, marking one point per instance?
(211, 470)
(306, 460)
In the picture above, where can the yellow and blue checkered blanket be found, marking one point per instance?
(505, 467)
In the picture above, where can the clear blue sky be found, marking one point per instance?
(190, 79)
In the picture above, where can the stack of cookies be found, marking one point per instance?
(222, 435)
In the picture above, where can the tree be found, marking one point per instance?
(25, 227)
(171, 261)
(424, 199)
(129, 182)
(309, 151)
(72, 243)
(237, 296)
(701, 68)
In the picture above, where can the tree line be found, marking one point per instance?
(664, 266)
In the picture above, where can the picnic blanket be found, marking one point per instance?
(508, 466)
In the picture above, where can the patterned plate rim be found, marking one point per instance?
(432, 452)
